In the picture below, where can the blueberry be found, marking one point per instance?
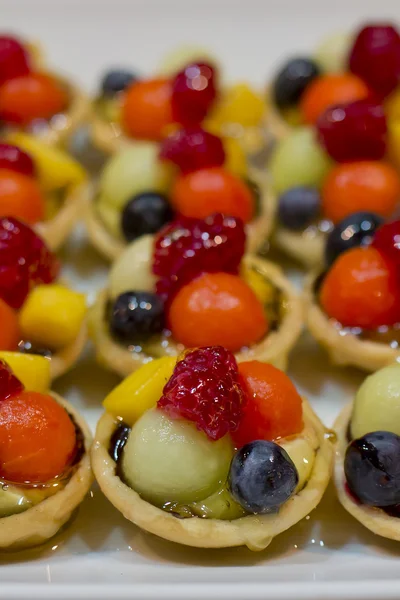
(298, 207)
(262, 477)
(136, 315)
(355, 230)
(372, 468)
(292, 80)
(116, 81)
(145, 213)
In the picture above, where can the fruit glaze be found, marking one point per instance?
(205, 452)
(192, 173)
(45, 468)
(354, 306)
(33, 99)
(38, 314)
(367, 473)
(192, 285)
(41, 185)
(341, 157)
(186, 91)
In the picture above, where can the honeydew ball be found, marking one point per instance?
(332, 54)
(377, 403)
(133, 268)
(170, 460)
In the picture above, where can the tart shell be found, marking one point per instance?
(274, 348)
(305, 247)
(62, 360)
(41, 522)
(258, 231)
(344, 349)
(254, 531)
(55, 231)
(374, 519)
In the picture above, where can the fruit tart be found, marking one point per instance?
(35, 100)
(45, 468)
(210, 453)
(354, 306)
(367, 474)
(143, 187)
(41, 185)
(192, 285)
(186, 91)
(342, 157)
(38, 313)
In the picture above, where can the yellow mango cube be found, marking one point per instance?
(141, 390)
(235, 157)
(31, 369)
(239, 104)
(56, 169)
(52, 315)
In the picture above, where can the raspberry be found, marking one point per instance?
(193, 148)
(187, 247)
(193, 92)
(13, 59)
(9, 384)
(15, 159)
(25, 261)
(204, 388)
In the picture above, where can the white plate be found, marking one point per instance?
(328, 555)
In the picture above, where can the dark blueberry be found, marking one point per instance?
(355, 230)
(292, 80)
(145, 213)
(298, 207)
(118, 441)
(116, 81)
(262, 477)
(135, 315)
(372, 468)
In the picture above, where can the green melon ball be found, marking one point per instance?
(170, 460)
(132, 270)
(133, 170)
(332, 55)
(299, 160)
(377, 403)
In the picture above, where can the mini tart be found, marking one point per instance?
(56, 230)
(274, 348)
(373, 518)
(63, 360)
(59, 127)
(344, 349)
(258, 230)
(254, 531)
(41, 522)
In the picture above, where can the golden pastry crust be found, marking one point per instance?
(64, 359)
(274, 348)
(258, 230)
(56, 230)
(344, 349)
(43, 521)
(254, 531)
(374, 519)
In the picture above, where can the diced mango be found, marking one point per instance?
(239, 104)
(31, 369)
(56, 169)
(141, 390)
(52, 315)
(235, 157)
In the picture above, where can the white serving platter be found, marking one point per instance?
(101, 556)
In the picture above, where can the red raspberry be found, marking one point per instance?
(375, 57)
(15, 159)
(25, 261)
(9, 384)
(204, 388)
(187, 247)
(13, 59)
(192, 149)
(193, 93)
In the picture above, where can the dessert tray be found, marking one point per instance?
(328, 555)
